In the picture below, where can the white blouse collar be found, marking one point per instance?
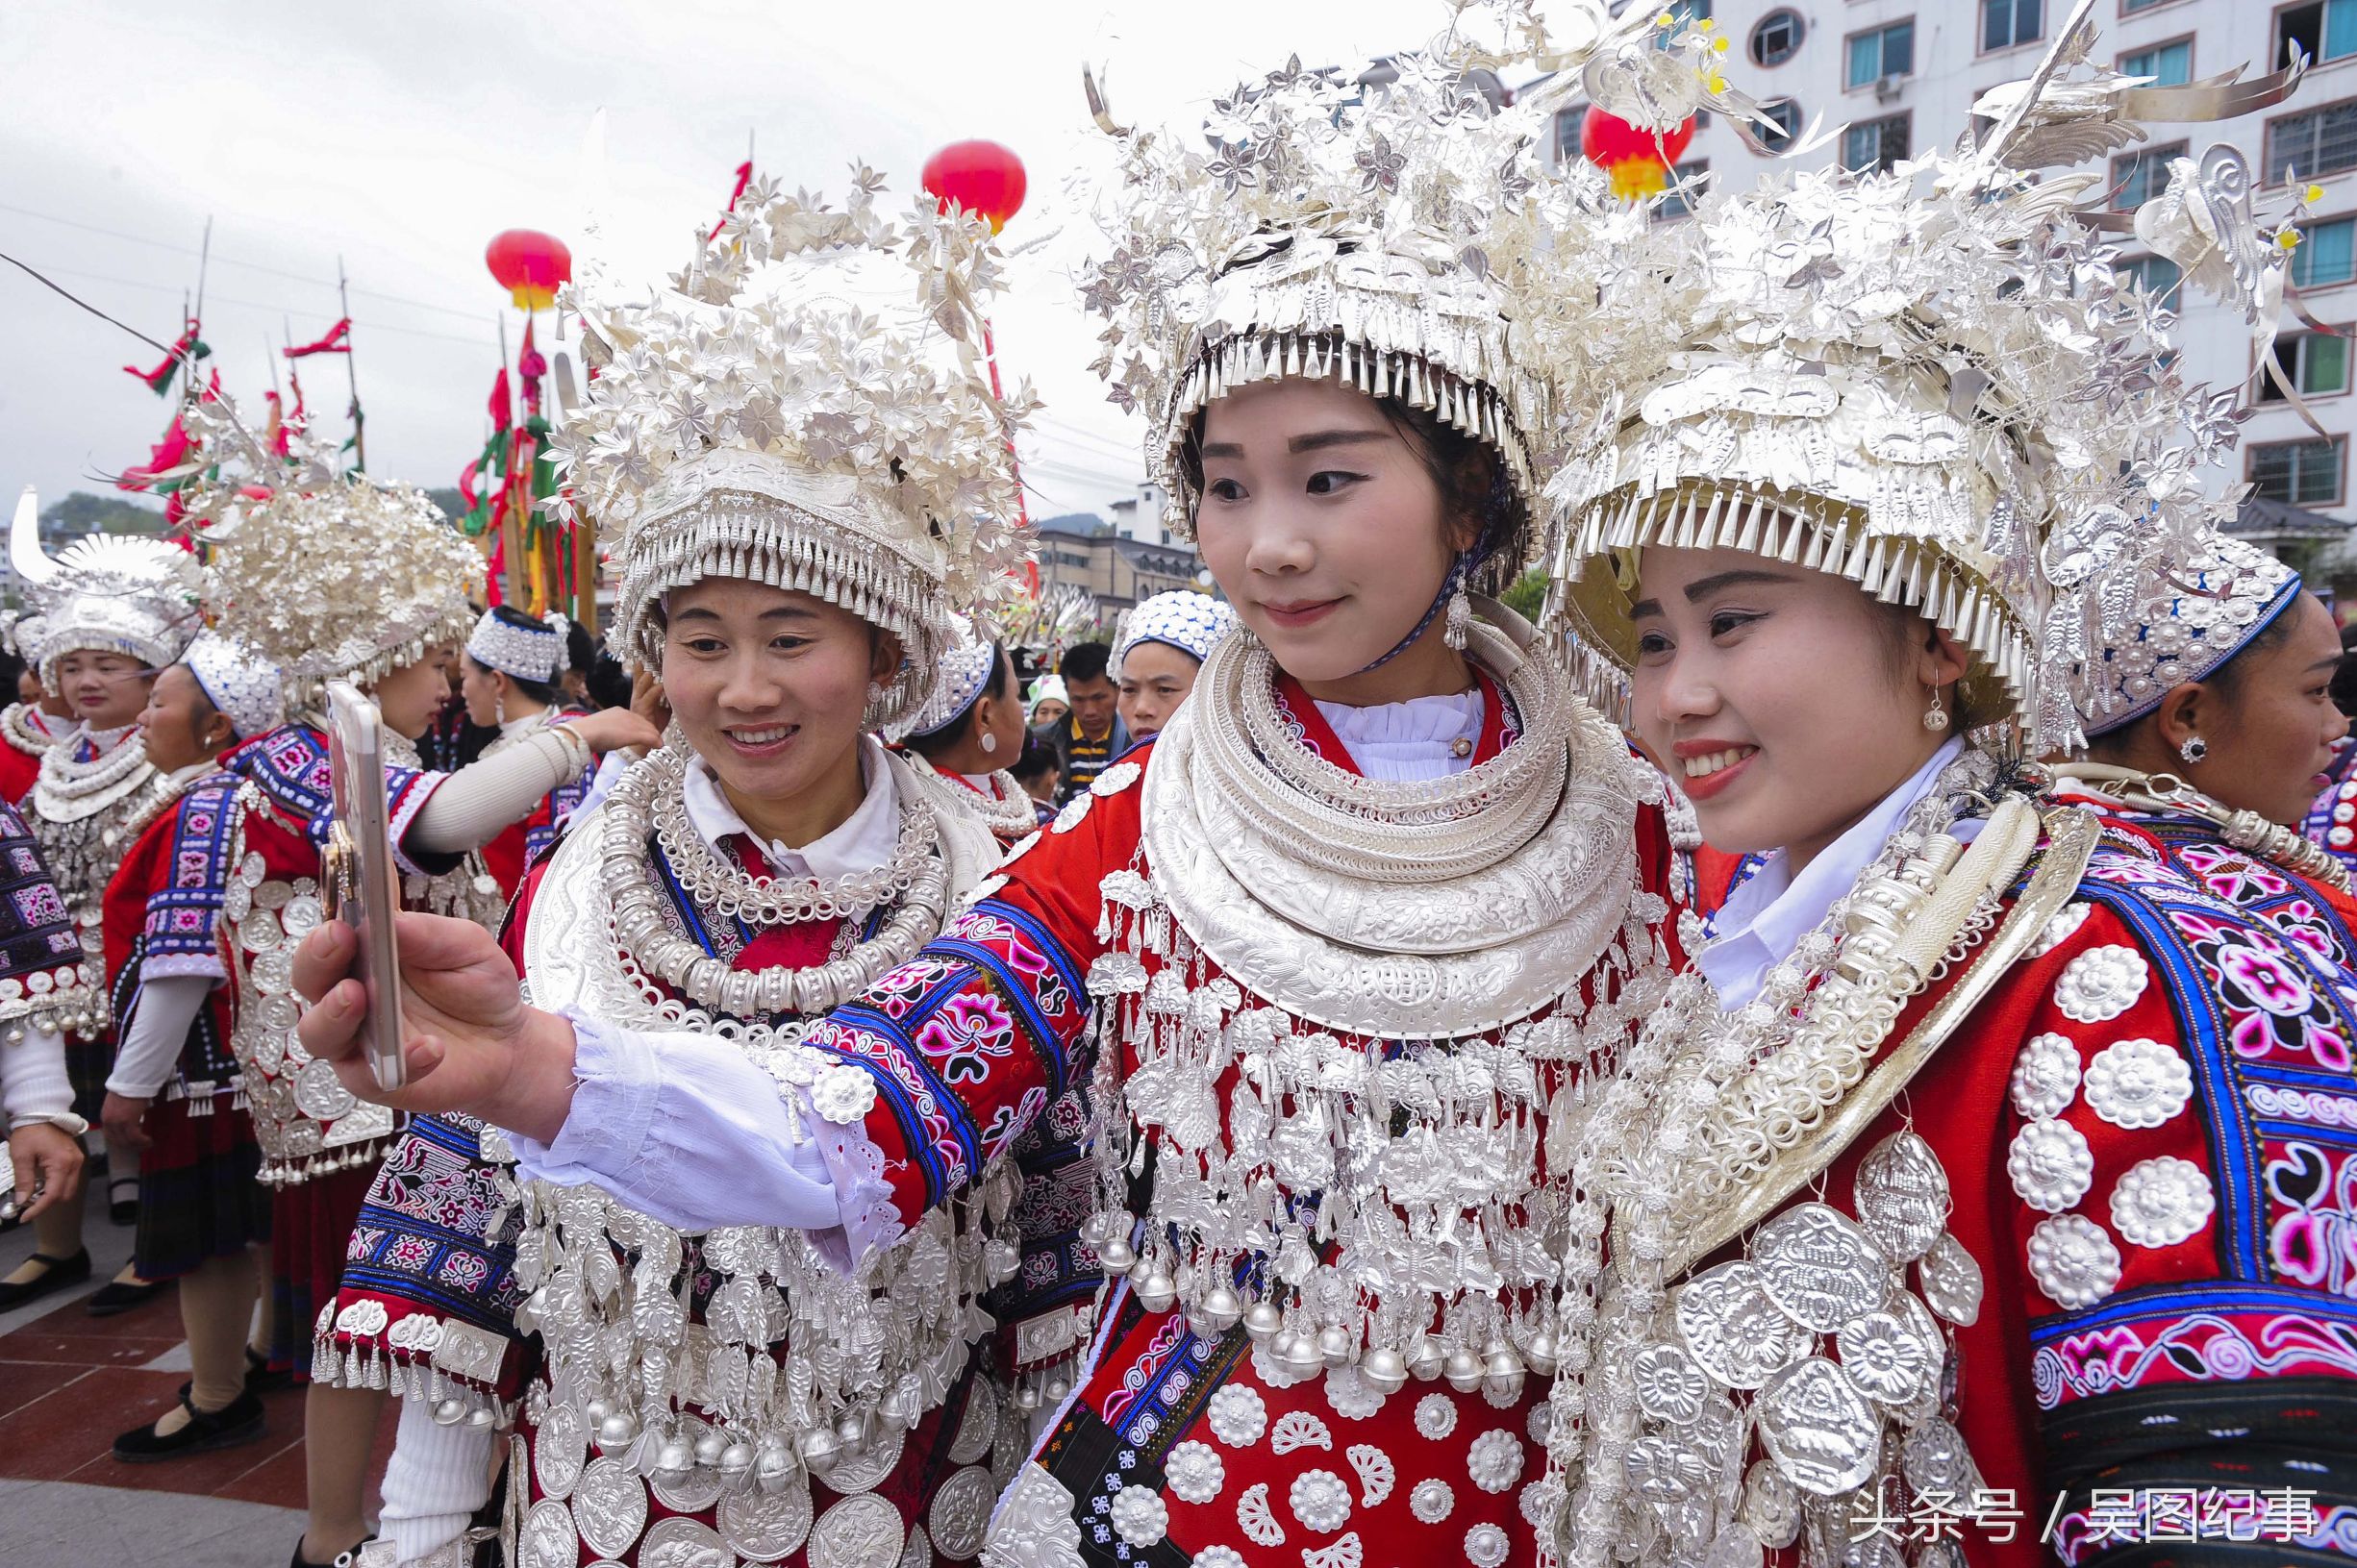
(1419, 739)
(865, 840)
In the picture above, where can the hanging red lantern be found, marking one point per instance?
(982, 177)
(530, 266)
(1638, 161)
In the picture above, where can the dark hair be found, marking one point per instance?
(2344, 679)
(609, 682)
(930, 747)
(581, 650)
(538, 691)
(13, 667)
(1036, 758)
(1085, 661)
(1471, 478)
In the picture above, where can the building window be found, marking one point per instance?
(2139, 176)
(1777, 36)
(1686, 14)
(2156, 275)
(1687, 183)
(1874, 144)
(2325, 256)
(2321, 30)
(2300, 473)
(2005, 23)
(2129, 8)
(2321, 141)
(1887, 51)
(2315, 362)
(2168, 65)
(1784, 124)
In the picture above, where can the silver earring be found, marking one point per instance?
(873, 717)
(2194, 749)
(990, 742)
(1458, 624)
(499, 712)
(1935, 717)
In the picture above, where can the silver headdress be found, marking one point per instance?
(106, 593)
(966, 670)
(1059, 616)
(1379, 228)
(1953, 399)
(1192, 622)
(529, 653)
(2192, 614)
(239, 681)
(806, 406)
(327, 575)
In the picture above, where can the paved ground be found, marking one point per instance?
(70, 1383)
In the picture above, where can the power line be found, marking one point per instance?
(274, 310)
(223, 260)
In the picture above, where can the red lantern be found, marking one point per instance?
(1638, 159)
(982, 177)
(530, 266)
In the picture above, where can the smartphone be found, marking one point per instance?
(360, 884)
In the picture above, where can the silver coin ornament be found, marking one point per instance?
(609, 1506)
(1734, 1332)
(683, 1543)
(764, 1526)
(1902, 1197)
(1820, 1429)
(863, 1532)
(1951, 1281)
(1820, 1265)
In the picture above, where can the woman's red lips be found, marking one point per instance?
(1300, 612)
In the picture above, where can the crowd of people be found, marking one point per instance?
(1838, 1045)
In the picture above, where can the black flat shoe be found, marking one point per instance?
(239, 1420)
(60, 1273)
(341, 1560)
(259, 1378)
(122, 1295)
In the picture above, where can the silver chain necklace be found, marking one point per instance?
(648, 795)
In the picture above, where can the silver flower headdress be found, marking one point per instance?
(327, 575)
(1381, 227)
(1193, 623)
(2192, 614)
(806, 406)
(239, 681)
(529, 653)
(1952, 399)
(106, 593)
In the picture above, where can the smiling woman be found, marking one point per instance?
(1971, 1067)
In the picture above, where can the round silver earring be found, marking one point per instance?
(2194, 749)
(1935, 717)
(990, 742)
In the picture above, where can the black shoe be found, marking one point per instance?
(259, 1378)
(123, 1200)
(341, 1560)
(239, 1420)
(60, 1273)
(122, 1295)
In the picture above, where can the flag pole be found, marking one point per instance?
(360, 440)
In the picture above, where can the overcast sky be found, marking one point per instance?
(402, 136)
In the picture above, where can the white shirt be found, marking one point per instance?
(1763, 920)
(1409, 742)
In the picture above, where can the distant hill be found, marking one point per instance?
(82, 512)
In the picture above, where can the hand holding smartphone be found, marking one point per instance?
(360, 884)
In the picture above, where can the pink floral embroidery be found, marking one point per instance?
(965, 1030)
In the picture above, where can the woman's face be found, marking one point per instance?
(768, 685)
(180, 727)
(29, 687)
(409, 698)
(107, 690)
(1771, 694)
(2272, 725)
(479, 689)
(1046, 712)
(1155, 679)
(1320, 523)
